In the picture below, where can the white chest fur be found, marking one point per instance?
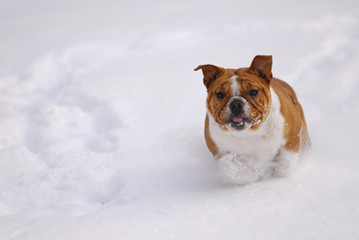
(261, 145)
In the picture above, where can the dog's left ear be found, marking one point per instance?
(262, 66)
(210, 73)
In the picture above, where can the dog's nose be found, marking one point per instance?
(236, 106)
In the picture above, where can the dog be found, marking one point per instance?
(254, 126)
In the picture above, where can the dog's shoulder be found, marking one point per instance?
(292, 112)
(284, 91)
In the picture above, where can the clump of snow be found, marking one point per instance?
(237, 169)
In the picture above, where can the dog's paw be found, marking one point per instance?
(285, 163)
(237, 170)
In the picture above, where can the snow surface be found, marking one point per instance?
(102, 119)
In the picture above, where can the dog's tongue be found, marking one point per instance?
(237, 119)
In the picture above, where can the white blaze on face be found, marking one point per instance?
(236, 95)
(235, 86)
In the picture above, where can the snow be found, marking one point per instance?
(102, 119)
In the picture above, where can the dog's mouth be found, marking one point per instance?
(238, 123)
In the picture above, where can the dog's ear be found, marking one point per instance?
(262, 66)
(210, 73)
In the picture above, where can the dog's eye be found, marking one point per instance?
(220, 95)
(253, 93)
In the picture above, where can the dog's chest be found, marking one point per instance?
(262, 144)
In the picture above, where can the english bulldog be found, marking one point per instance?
(255, 126)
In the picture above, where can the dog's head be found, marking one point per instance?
(239, 99)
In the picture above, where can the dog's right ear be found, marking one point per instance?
(262, 66)
(210, 73)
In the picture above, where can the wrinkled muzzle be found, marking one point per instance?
(237, 110)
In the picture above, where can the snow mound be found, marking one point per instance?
(238, 170)
(57, 137)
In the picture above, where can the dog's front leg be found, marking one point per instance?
(285, 162)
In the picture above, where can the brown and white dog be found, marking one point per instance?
(254, 125)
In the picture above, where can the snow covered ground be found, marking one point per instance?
(101, 119)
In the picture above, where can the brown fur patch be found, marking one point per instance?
(210, 143)
(295, 129)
